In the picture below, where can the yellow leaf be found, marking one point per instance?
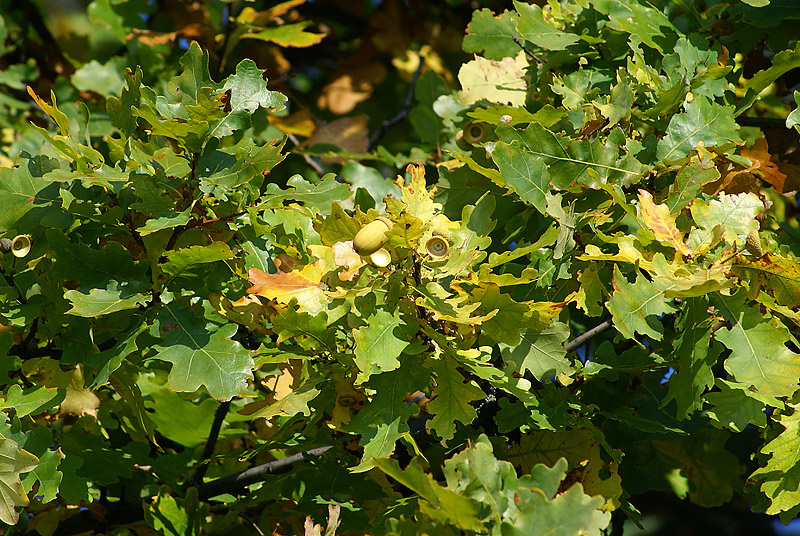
(658, 219)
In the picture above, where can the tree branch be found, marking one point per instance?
(582, 339)
(762, 122)
(389, 123)
(236, 481)
(216, 426)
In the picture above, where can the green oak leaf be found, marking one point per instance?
(47, 474)
(453, 397)
(184, 259)
(736, 214)
(759, 356)
(618, 105)
(689, 182)
(247, 90)
(167, 221)
(92, 268)
(703, 122)
(540, 351)
(33, 400)
(532, 26)
(647, 23)
(695, 356)
(316, 196)
(228, 168)
(492, 36)
(568, 161)
(380, 343)
(436, 501)
(166, 516)
(524, 173)
(734, 406)
(103, 301)
(779, 478)
(195, 77)
(384, 419)
(20, 189)
(781, 63)
(472, 237)
(310, 332)
(571, 512)
(477, 474)
(202, 354)
(636, 306)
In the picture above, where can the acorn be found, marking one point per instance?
(381, 258)
(437, 247)
(371, 237)
(753, 244)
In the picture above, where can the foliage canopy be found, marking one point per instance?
(201, 338)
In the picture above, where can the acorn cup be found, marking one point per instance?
(472, 134)
(20, 246)
(381, 258)
(438, 246)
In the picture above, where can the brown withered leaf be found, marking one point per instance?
(762, 164)
(350, 87)
(347, 133)
(345, 255)
(305, 285)
(151, 38)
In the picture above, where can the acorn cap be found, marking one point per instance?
(437, 247)
(21, 245)
(474, 132)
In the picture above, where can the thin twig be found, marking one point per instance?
(526, 51)
(309, 160)
(234, 482)
(389, 123)
(582, 339)
(216, 426)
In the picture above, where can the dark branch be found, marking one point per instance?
(527, 52)
(235, 482)
(762, 122)
(216, 426)
(389, 123)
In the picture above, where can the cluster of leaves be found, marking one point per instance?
(193, 315)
